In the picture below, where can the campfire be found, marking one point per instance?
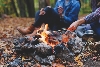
(49, 47)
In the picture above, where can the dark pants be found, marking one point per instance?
(51, 18)
(96, 27)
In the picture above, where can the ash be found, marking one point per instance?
(44, 53)
(43, 50)
(68, 49)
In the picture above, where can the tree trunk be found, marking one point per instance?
(55, 1)
(47, 2)
(5, 10)
(14, 7)
(30, 7)
(44, 3)
(21, 5)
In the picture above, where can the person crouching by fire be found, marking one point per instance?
(62, 15)
(93, 19)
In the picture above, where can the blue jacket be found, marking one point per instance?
(71, 10)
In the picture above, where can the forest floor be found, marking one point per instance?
(8, 32)
(8, 25)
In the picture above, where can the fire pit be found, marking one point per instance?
(48, 47)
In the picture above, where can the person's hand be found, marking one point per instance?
(60, 10)
(42, 12)
(75, 24)
(73, 27)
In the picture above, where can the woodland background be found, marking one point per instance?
(14, 13)
(27, 8)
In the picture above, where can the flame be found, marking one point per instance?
(44, 35)
(45, 38)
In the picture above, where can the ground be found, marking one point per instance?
(8, 26)
(8, 32)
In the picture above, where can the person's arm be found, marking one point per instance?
(89, 18)
(58, 4)
(75, 24)
(73, 13)
(94, 16)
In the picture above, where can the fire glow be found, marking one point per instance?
(48, 47)
(48, 39)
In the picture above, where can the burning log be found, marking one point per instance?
(48, 47)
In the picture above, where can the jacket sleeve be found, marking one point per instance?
(58, 3)
(56, 7)
(92, 17)
(73, 13)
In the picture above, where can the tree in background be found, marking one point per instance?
(27, 8)
(55, 1)
(43, 3)
(47, 2)
(19, 8)
(30, 7)
(5, 7)
(85, 7)
(21, 5)
(95, 4)
(14, 7)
